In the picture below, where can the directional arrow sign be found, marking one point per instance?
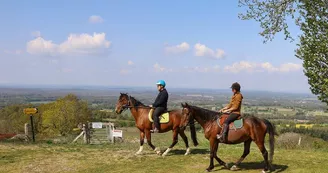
(30, 111)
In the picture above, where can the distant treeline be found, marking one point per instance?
(281, 119)
(314, 132)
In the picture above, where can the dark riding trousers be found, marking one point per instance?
(232, 117)
(158, 111)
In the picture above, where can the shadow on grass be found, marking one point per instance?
(192, 151)
(256, 165)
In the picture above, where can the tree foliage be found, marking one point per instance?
(62, 116)
(56, 118)
(12, 119)
(312, 18)
(313, 46)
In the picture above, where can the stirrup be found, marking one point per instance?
(154, 130)
(219, 136)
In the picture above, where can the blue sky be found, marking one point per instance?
(193, 44)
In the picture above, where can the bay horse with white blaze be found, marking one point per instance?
(140, 112)
(253, 129)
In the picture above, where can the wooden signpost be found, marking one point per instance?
(31, 112)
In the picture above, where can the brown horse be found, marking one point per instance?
(254, 129)
(140, 113)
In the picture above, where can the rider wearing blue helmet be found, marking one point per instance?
(160, 104)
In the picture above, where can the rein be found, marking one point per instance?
(195, 122)
(130, 102)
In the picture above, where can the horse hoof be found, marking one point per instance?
(234, 168)
(137, 153)
(187, 152)
(209, 169)
(226, 165)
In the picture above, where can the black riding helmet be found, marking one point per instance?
(235, 86)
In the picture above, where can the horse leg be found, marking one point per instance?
(185, 139)
(264, 152)
(175, 141)
(221, 162)
(247, 145)
(148, 136)
(213, 144)
(142, 137)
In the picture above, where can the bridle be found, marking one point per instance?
(190, 117)
(126, 106)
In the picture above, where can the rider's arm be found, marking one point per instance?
(228, 105)
(235, 103)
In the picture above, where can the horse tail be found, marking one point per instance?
(271, 130)
(193, 131)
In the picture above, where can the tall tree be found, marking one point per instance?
(62, 116)
(312, 18)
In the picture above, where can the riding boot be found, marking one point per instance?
(156, 129)
(223, 137)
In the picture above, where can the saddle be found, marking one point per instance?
(163, 118)
(237, 124)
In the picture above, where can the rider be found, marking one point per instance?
(160, 104)
(233, 109)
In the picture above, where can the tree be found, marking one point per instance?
(313, 47)
(62, 116)
(312, 18)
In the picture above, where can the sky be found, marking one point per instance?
(189, 44)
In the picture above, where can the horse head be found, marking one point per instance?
(122, 103)
(186, 114)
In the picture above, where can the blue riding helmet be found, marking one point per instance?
(161, 82)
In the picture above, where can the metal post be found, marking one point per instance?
(26, 129)
(31, 117)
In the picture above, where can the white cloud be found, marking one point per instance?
(41, 46)
(183, 47)
(159, 68)
(260, 67)
(124, 72)
(95, 19)
(76, 44)
(290, 67)
(240, 66)
(215, 68)
(36, 34)
(202, 50)
(130, 62)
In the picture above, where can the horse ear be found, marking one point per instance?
(186, 104)
(183, 105)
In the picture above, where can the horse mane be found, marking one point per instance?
(137, 102)
(205, 114)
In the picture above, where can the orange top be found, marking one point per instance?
(235, 103)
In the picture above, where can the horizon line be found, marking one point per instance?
(80, 86)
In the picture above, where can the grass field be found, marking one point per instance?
(43, 157)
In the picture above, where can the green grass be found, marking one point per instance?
(42, 157)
